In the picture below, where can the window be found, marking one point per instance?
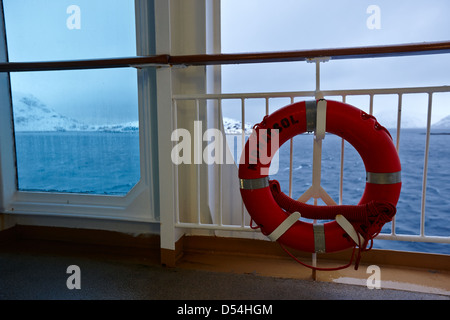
(78, 135)
(75, 131)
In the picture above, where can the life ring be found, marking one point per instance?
(274, 212)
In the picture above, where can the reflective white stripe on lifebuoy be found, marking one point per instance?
(311, 115)
(384, 178)
(316, 114)
(284, 226)
(250, 184)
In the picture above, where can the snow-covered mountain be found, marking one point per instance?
(122, 127)
(31, 114)
(232, 126)
(442, 124)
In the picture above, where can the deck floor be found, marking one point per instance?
(30, 274)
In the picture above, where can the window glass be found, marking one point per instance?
(76, 131)
(46, 30)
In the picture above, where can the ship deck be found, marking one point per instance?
(35, 269)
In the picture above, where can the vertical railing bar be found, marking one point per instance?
(317, 78)
(399, 120)
(341, 178)
(243, 148)
(397, 146)
(371, 104)
(425, 165)
(177, 201)
(222, 161)
(267, 106)
(318, 95)
(291, 159)
(197, 116)
(243, 121)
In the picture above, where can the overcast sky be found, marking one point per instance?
(47, 30)
(267, 25)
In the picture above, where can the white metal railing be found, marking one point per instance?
(243, 98)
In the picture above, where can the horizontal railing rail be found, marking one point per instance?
(295, 94)
(233, 58)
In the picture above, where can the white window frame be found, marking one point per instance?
(139, 204)
(182, 27)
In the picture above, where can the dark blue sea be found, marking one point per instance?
(108, 163)
(78, 162)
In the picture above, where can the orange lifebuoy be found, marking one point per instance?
(270, 209)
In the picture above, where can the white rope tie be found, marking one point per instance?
(284, 226)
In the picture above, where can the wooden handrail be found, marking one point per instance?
(239, 58)
(337, 53)
(84, 64)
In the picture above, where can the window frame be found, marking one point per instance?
(139, 203)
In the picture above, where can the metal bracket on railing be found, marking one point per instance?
(152, 65)
(317, 61)
(316, 191)
(321, 120)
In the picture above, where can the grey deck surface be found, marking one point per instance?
(42, 276)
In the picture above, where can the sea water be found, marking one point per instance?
(78, 162)
(109, 163)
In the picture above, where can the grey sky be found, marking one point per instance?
(37, 31)
(267, 25)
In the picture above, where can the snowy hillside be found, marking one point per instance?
(232, 126)
(442, 124)
(123, 127)
(31, 114)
